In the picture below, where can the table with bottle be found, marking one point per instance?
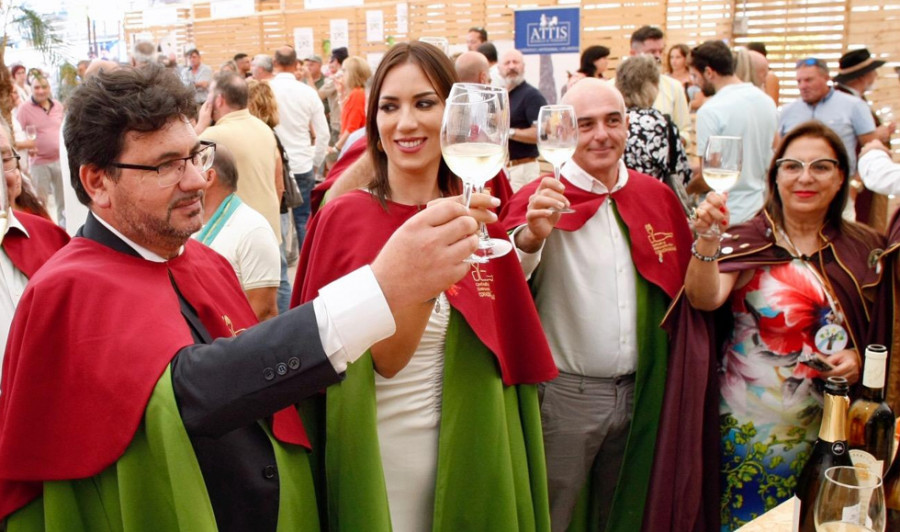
(841, 487)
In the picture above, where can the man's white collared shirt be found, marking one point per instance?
(585, 289)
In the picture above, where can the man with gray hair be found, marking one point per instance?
(601, 311)
(525, 103)
(143, 53)
(261, 67)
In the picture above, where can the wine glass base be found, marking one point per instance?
(493, 248)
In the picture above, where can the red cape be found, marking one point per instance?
(71, 403)
(28, 253)
(498, 186)
(494, 298)
(660, 248)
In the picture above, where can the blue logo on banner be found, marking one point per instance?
(548, 31)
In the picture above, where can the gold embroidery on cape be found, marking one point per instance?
(230, 326)
(660, 241)
(483, 281)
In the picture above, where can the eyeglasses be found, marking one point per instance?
(171, 172)
(11, 163)
(818, 168)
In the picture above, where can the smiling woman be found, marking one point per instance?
(437, 427)
(794, 275)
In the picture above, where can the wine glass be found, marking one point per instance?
(473, 142)
(30, 132)
(722, 165)
(494, 247)
(722, 162)
(557, 137)
(851, 499)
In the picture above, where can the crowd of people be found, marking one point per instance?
(640, 363)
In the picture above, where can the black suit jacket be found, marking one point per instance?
(225, 386)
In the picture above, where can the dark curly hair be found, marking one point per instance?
(109, 105)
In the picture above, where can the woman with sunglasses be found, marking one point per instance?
(797, 284)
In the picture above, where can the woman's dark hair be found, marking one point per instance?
(14, 69)
(817, 130)
(30, 203)
(439, 70)
(110, 104)
(589, 56)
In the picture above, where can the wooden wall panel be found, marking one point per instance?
(791, 29)
(873, 24)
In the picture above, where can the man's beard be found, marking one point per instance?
(514, 81)
(708, 89)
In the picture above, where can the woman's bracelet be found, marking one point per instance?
(706, 258)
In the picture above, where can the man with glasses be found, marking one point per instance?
(137, 388)
(28, 240)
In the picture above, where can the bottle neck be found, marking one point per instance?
(834, 418)
(876, 395)
(873, 377)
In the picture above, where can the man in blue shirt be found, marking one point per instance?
(737, 109)
(848, 116)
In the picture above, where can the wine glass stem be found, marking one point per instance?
(556, 171)
(467, 193)
(482, 227)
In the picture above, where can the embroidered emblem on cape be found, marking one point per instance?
(483, 281)
(660, 241)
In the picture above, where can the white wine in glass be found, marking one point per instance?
(851, 499)
(487, 246)
(722, 162)
(474, 132)
(557, 137)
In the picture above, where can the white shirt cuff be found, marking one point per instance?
(529, 261)
(352, 314)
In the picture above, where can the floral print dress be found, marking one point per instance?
(647, 148)
(771, 406)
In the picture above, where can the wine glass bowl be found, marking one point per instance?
(722, 162)
(557, 137)
(474, 133)
(851, 500)
(489, 247)
(30, 132)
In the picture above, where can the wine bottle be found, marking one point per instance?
(871, 420)
(892, 496)
(830, 450)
